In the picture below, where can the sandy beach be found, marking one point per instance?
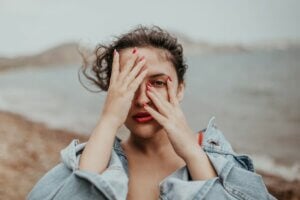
(24, 145)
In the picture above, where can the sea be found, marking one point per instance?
(253, 95)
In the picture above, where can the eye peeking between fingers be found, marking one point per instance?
(158, 83)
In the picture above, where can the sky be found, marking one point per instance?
(31, 26)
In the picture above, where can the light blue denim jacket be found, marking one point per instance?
(236, 176)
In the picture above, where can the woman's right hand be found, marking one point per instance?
(124, 82)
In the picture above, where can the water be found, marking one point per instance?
(254, 96)
(50, 95)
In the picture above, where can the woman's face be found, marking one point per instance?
(159, 69)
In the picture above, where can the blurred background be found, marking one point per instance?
(244, 68)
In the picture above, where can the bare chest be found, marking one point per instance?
(144, 178)
(144, 184)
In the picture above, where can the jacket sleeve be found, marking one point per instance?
(232, 183)
(66, 181)
(236, 177)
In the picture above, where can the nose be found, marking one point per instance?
(141, 97)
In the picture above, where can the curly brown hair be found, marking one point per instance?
(141, 36)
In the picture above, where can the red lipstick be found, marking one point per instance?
(142, 117)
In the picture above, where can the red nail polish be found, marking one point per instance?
(134, 50)
(149, 89)
(149, 85)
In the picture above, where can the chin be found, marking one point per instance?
(143, 130)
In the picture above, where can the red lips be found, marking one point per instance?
(142, 117)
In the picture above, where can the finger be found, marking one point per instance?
(115, 67)
(162, 108)
(156, 115)
(129, 64)
(133, 86)
(171, 92)
(164, 102)
(134, 72)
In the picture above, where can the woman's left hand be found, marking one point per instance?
(171, 117)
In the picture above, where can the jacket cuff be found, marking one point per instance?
(69, 155)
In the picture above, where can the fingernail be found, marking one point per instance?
(142, 58)
(149, 84)
(148, 88)
(134, 50)
(115, 52)
(169, 78)
(144, 104)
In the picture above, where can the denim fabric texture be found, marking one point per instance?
(236, 176)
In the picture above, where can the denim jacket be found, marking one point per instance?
(236, 176)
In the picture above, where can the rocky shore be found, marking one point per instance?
(25, 144)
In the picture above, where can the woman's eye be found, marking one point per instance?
(158, 83)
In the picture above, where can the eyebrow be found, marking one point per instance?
(156, 75)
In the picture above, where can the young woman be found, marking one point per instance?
(143, 74)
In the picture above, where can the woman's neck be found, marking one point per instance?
(158, 145)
